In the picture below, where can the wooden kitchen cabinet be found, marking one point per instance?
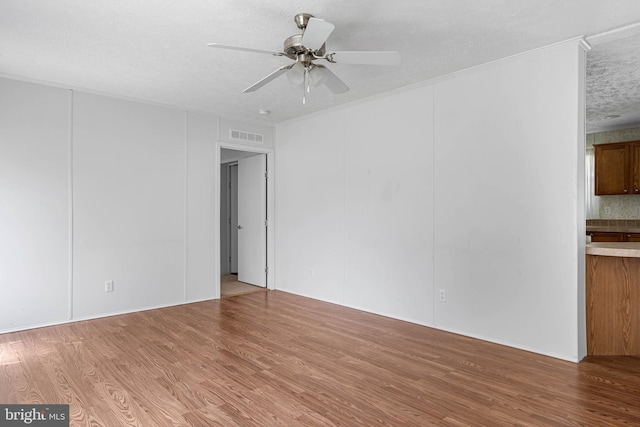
(613, 298)
(602, 236)
(617, 168)
(630, 237)
(606, 237)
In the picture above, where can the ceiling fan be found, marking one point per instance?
(308, 47)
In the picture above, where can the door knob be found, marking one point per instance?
(239, 227)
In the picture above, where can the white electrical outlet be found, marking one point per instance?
(108, 286)
(311, 272)
(443, 295)
(607, 210)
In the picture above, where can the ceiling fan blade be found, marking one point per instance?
(316, 33)
(332, 81)
(244, 49)
(365, 58)
(269, 78)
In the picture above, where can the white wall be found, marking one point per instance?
(354, 206)
(201, 182)
(128, 202)
(506, 225)
(310, 203)
(34, 204)
(469, 184)
(389, 206)
(133, 183)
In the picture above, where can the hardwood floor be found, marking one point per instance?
(230, 286)
(273, 358)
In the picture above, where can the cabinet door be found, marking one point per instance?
(631, 237)
(612, 287)
(635, 167)
(606, 237)
(612, 168)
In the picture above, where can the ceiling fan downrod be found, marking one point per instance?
(302, 19)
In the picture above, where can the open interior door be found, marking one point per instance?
(252, 216)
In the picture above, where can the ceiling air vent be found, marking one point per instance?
(241, 135)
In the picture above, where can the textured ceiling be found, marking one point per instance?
(613, 85)
(156, 50)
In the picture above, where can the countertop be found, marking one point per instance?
(618, 249)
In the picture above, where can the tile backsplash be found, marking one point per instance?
(619, 207)
(620, 135)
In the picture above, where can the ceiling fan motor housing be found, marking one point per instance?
(293, 48)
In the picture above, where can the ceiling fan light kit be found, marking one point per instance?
(308, 47)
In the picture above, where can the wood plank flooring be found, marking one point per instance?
(230, 286)
(276, 359)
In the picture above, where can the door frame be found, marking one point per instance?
(271, 265)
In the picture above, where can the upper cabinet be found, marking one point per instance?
(617, 168)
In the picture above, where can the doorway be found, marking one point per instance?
(243, 222)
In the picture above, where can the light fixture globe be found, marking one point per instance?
(295, 75)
